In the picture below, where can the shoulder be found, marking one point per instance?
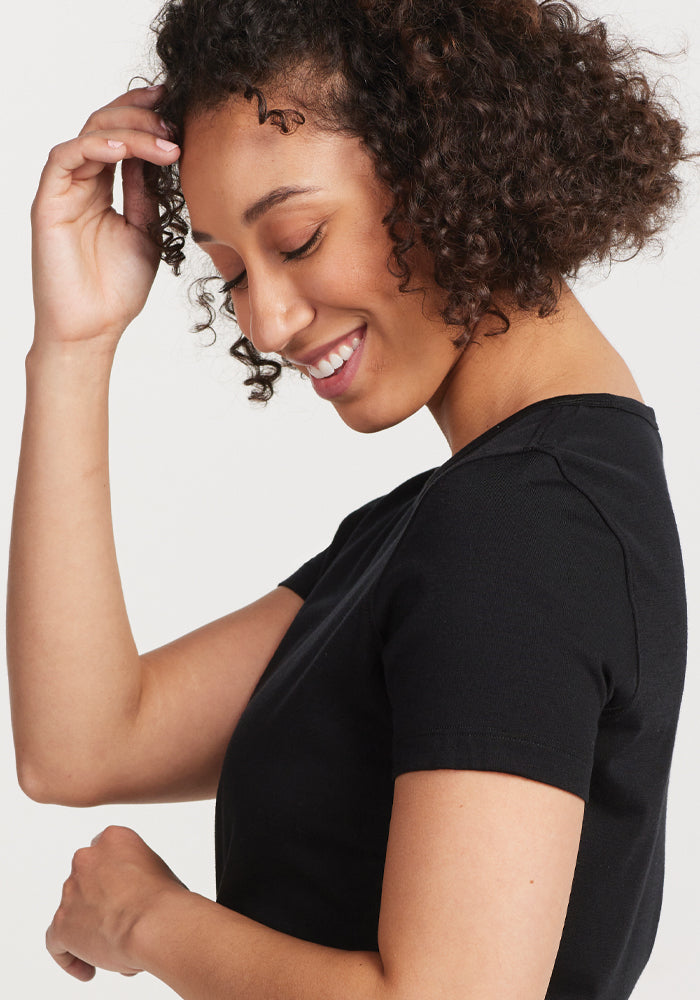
(508, 479)
(503, 545)
(505, 624)
(507, 509)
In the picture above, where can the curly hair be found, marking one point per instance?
(517, 141)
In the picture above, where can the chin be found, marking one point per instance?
(369, 416)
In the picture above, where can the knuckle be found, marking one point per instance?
(80, 859)
(121, 836)
(90, 125)
(97, 122)
(110, 835)
(116, 832)
(57, 927)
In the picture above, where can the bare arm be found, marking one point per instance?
(75, 678)
(93, 720)
(478, 875)
(73, 666)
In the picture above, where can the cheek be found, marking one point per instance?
(357, 274)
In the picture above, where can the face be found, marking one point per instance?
(339, 288)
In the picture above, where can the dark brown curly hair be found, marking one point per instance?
(518, 142)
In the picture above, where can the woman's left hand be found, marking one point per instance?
(111, 885)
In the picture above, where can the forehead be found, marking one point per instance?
(230, 151)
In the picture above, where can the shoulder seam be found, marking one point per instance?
(555, 454)
(441, 472)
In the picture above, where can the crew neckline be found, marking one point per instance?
(602, 399)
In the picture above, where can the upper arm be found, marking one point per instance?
(194, 690)
(479, 868)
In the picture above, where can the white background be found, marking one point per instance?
(216, 499)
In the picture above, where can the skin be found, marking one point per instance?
(290, 308)
(122, 908)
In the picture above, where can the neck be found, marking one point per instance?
(497, 376)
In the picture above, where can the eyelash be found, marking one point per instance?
(290, 255)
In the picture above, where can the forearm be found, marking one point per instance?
(204, 951)
(73, 664)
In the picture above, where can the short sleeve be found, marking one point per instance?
(505, 624)
(304, 579)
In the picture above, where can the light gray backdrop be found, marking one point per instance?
(214, 501)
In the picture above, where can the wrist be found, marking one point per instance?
(87, 360)
(96, 351)
(163, 926)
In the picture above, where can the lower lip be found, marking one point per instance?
(339, 381)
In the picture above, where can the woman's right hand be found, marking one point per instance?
(92, 268)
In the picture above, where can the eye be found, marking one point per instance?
(288, 255)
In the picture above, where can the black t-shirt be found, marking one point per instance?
(520, 608)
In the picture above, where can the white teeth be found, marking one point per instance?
(324, 369)
(334, 360)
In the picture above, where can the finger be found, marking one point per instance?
(85, 156)
(75, 966)
(143, 145)
(69, 963)
(140, 97)
(145, 119)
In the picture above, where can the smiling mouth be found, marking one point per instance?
(334, 348)
(335, 360)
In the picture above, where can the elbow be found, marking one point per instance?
(33, 784)
(49, 788)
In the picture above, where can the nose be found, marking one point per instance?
(277, 311)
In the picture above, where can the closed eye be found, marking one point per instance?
(288, 255)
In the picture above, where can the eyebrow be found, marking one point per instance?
(258, 208)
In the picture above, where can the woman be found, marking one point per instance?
(441, 763)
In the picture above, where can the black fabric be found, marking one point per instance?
(520, 608)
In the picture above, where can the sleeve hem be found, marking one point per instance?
(460, 750)
(297, 588)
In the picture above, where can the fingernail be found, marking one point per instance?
(114, 143)
(164, 144)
